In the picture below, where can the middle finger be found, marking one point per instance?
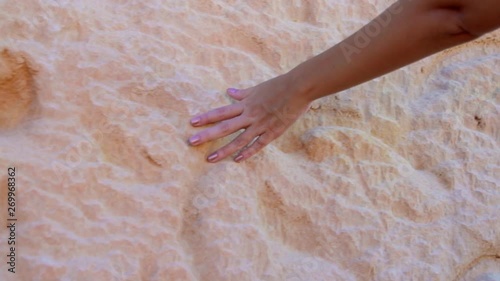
(220, 130)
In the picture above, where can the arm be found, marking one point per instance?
(406, 32)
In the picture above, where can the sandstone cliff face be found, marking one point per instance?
(396, 179)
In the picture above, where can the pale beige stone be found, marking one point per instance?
(396, 179)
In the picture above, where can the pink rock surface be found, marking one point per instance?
(396, 179)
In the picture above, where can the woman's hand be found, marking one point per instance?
(264, 111)
(404, 33)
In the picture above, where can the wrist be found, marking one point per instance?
(300, 83)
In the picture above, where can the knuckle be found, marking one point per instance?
(272, 131)
(280, 122)
(276, 130)
(225, 127)
(220, 111)
(260, 142)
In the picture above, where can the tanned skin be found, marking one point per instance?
(406, 32)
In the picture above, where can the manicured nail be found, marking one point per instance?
(195, 121)
(232, 90)
(212, 157)
(194, 140)
(238, 158)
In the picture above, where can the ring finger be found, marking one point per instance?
(220, 130)
(238, 143)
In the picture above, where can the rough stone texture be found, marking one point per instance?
(396, 179)
(17, 89)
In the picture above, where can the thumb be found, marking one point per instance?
(237, 94)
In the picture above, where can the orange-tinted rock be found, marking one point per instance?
(17, 88)
(397, 179)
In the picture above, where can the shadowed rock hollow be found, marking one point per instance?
(17, 89)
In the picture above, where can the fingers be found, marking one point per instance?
(255, 147)
(218, 114)
(272, 132)
(249, 113)
(237, 94)
(238, 143)
(220, 130)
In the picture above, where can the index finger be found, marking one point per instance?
(218, 114)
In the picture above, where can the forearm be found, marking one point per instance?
(404, 33)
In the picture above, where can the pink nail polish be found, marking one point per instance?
(212, 157)
(194, 140)
(232, 90)
(238, 158)
(195, 121)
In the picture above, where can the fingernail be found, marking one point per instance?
(238, 158)
(232, 90)
(212, 157)
(195, 121)
(194, 139)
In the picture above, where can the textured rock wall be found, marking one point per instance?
(396, 179)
